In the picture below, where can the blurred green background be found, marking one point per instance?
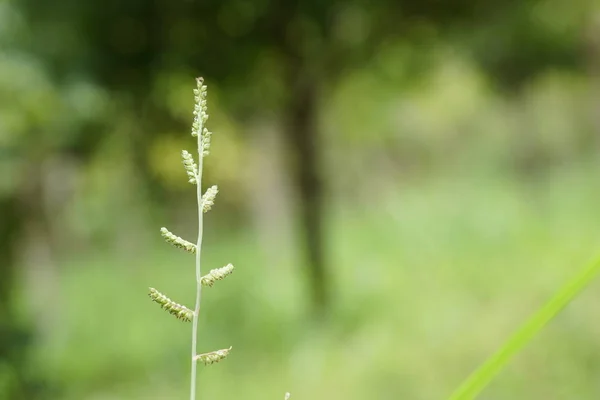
(402, 183)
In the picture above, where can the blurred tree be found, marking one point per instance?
(33, 133)
(592, 47)
(13, 340)
(277, 55)
(265, 55)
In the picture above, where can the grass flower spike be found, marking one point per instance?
(181, 312)
(216, 275)
(213, 356)
(200, 108)
(208, 200)
(204, 202)
(190, 166)
(205, 141)
(177, 241)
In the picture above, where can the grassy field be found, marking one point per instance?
(430, 278)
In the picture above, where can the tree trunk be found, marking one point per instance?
(14, 338)
(302, 138)
(592, 46)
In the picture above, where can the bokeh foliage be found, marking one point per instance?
(442, 154)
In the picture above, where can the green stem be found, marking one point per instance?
(198, 269)
(477, 381)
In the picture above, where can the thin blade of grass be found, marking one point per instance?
(479, 379)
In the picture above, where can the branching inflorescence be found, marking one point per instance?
(205, 202)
